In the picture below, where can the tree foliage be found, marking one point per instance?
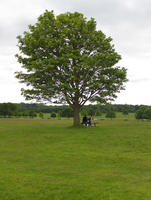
(32, 114)
(53, 115)
(68, 61)
(23, 109)
(110, 114)
(144, 112)
(41, 115)
(67, 112)
(8, 109)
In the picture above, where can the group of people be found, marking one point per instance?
(87, 121)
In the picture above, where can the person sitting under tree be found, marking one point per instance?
(84, 121)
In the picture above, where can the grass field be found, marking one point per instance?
(50, 160)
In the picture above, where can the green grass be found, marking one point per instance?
(51, 160)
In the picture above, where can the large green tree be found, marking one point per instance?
(66, 59)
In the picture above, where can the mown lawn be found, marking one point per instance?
(50, 160)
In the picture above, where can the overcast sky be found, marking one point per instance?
(127, 22)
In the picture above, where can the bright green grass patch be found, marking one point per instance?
(48, 159)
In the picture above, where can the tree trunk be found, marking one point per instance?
(76, 119)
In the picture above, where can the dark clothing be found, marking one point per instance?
(84, 121)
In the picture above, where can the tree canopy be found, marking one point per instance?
(8, 109)
(144, 112)
(67, 60)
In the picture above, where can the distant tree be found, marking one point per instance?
(53, 115)
(12, 109)
(91, 112)
(25, 113)
(110, 114)
(8, 109)
(98, 113)
(84, 112)
(32, 114)
(19, 114)
(147, 114)
(3, 110)
(59, 115)
(41, 115)
(67, 112)
(125, 112)
(69, 61)
(140, 113)
(144, 112)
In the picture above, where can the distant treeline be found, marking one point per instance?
(102, 108)
(24, 109)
